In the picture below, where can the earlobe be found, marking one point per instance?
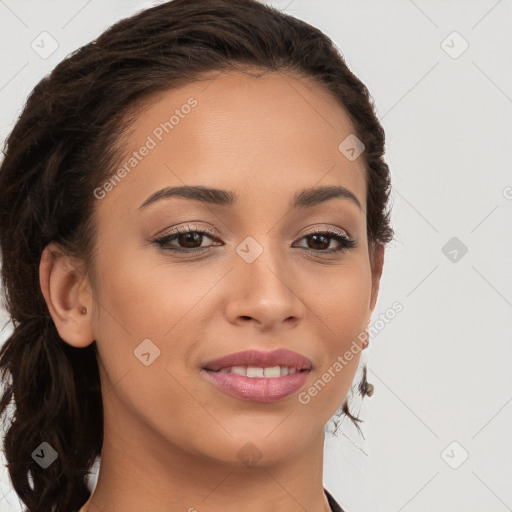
(68, 302)
(377, 263)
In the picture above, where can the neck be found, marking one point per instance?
(141, 471)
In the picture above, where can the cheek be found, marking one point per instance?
(156, 302)
(343, 312)
(142, 294)
(143, 298)
(344, 300)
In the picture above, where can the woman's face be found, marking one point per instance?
(258, 278)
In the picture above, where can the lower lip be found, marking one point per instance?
(258, 389)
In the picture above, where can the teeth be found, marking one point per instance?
(252, 371)
(255, 371)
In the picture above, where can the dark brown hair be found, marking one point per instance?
(77, 115)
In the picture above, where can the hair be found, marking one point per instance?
(77, 115)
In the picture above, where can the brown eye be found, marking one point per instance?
(320, 241)
(189, 240)
(186, 240)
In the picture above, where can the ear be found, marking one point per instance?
(377, 263)
(66, 295)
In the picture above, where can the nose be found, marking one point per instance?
(265, 293)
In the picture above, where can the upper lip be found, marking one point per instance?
(278, 357)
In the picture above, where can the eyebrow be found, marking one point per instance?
(305, 198)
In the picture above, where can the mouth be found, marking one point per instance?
(256, 363)
(260, 372)
(253, 385)
(258, 376)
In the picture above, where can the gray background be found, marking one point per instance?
(441, 368)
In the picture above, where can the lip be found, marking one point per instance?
(259, 359)
(257, 389)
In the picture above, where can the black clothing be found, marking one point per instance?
(332, 502)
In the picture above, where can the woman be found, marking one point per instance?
(194, 209)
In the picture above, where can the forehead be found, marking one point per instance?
(261, 133)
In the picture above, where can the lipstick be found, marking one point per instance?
(259, 376)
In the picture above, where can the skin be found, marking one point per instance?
(172, 440)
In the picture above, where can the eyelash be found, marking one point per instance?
(345, 242)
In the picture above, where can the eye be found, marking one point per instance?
(189, 237)
(190, 240)
(319, 241)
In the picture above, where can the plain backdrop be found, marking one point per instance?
(437, 429)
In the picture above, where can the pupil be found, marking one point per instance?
(189, 238)
(324, 245)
